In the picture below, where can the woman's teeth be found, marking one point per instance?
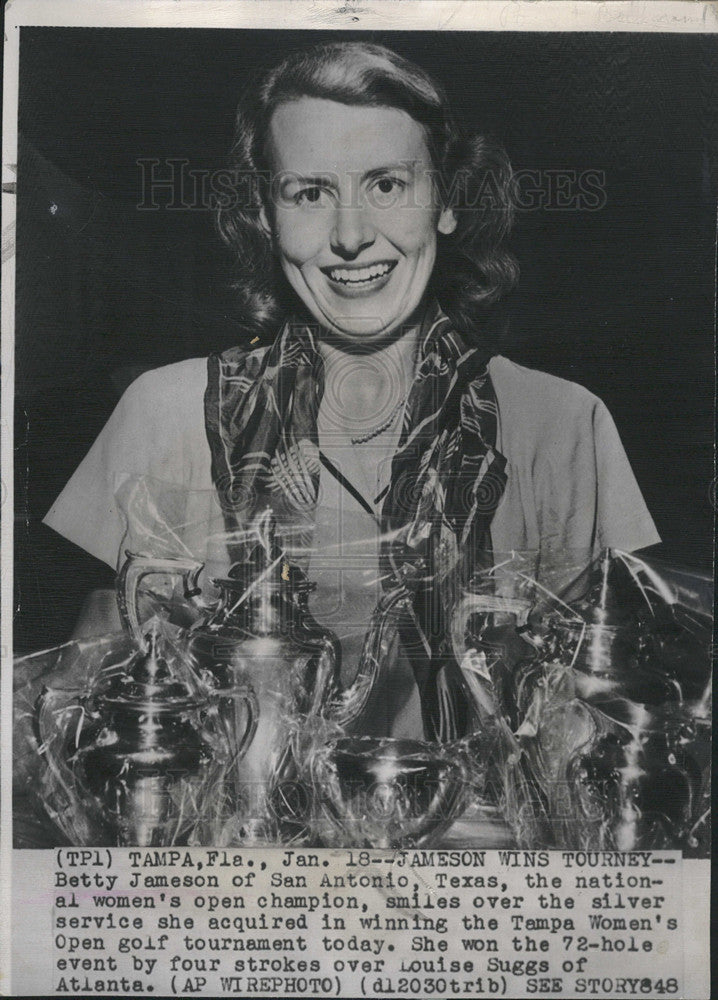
(359, 275)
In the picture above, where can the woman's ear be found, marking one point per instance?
(447, 221)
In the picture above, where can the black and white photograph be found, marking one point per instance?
(363, 441)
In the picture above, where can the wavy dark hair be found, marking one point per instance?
(473, 269)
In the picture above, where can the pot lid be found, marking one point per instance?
(149, 684)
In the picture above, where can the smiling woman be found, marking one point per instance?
(379, 128)
(370, 406)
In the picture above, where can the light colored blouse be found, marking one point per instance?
(570, 485)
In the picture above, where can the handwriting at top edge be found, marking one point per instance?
(521, 12)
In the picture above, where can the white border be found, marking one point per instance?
(415, 15)
(670, 16)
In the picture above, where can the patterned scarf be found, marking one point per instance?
(447, 478)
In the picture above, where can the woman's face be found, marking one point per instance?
(354, 217)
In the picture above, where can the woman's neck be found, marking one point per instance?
(358, 383)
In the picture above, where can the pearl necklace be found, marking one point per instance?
(363, 438)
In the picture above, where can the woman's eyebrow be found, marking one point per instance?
(316, 180)
(331, 180)
(407, 165)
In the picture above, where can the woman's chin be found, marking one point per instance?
(370, 323)
(359, 332)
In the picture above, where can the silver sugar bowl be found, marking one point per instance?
(142, 756)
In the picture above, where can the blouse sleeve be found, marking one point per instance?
(622, 517)
(156, 430)
(586, 494)
(570, 484)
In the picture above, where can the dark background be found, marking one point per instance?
(619, 299)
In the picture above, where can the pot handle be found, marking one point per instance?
(226, 708)
(348, 705)
(134, 570)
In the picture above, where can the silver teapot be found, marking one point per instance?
(599, 732)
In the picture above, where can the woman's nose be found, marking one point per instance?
(352, 231)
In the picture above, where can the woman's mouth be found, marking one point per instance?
(358, 278)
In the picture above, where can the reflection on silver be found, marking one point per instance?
(139, 753)
(269, 667)
(386, 793)
(605, 713)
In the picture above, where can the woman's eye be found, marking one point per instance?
(386, 185)
(309, 196)
(387, 189)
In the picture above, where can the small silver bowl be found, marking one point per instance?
(381, 792)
